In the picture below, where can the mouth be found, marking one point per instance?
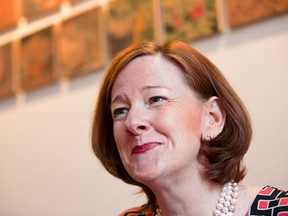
(141, 149)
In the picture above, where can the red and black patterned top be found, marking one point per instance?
(269, 201)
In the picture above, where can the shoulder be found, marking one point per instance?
(136, 211)
(270, 201)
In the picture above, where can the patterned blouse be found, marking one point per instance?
(269, 201)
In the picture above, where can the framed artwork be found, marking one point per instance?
(6, 81)
(247, 11)
(188, 20)
(9, 13)
(80, 44)
(37, 62)
(128, 22)
(34, 8)
(77, 1)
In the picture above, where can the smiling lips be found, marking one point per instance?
(141, 149)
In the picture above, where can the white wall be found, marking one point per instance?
(48, 169)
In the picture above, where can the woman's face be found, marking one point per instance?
(158, 119)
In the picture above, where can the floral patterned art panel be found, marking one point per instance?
(128, 21)
(37, 8)
(78, 1)
(9, 14)
(37, 59)
(6, 86)
(247, 11)
(81, 45)
(188, 20)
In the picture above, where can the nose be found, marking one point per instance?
(137, 121)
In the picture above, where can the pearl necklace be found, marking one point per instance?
(226, 202)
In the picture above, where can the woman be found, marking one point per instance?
(180, 132)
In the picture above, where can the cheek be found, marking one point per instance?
(121, 139)
(184, 121)
(193, 124)
(194, 119)
(120, 142)
(118, 135)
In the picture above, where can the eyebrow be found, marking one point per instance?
(153, 87)
(118, 97)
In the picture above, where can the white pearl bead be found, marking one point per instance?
(228, 198)
(225, 209)
(223, 194)
(220, 206)
(229, 214)
(217, 212)
(234, 201)
(229, 192)
(227, 203)
(232, 208)
(221, 200)
(236, 188)
(235, 195)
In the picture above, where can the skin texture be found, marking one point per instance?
(158, 120)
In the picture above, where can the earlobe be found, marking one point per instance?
(216, 118)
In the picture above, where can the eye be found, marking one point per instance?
(157, 99)
(119, 112)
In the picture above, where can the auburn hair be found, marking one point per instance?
(223, 154)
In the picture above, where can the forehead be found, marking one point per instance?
(149, 70)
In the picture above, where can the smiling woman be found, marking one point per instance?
(180, 132)
(154, 101)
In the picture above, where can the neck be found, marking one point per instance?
(191, 196)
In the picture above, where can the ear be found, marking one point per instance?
(215, 119)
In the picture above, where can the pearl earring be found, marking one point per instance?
(209, 137)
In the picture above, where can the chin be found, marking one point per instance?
(145, 174)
